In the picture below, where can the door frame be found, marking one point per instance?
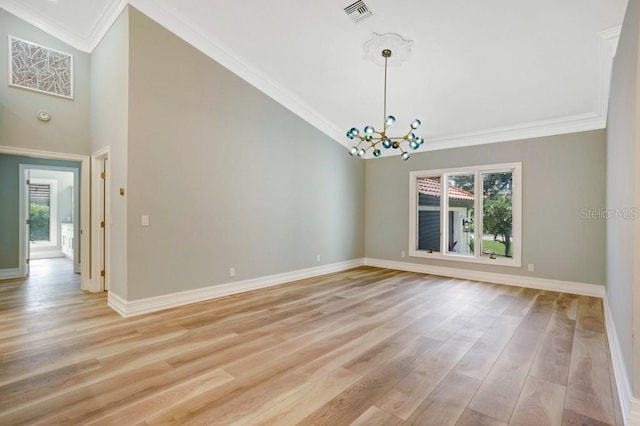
(100, 249)
(84, 204)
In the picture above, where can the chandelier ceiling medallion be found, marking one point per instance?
(383, 48)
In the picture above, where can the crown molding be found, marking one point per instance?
(607, 46)
(83, 42)
(534, 129)
(105, 20)
(594, 120)
(607, 42)
(238, 65)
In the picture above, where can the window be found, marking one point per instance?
(470, 214)
(39, 212)
(43, 229)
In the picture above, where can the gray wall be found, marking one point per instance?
(228, 176)
(561, 175)
(109, 127)
(623, 169)
(68, 130)
(9, 203)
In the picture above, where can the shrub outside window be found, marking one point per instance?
(469, 214)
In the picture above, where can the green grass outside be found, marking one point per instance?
(495, 246)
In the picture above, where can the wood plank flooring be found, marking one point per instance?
(366, 347)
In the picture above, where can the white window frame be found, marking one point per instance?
(53, 212)
(516, 199)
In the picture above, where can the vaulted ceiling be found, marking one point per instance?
(478, 72)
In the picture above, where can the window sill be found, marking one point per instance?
(498, 261)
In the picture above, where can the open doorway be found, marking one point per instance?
(66, 236)
(51, 210)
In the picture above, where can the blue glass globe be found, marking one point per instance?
(386, 143)
(376, 153)
(414, 145)
(415, 123)
(353, 151)
(420, 140)
(361, 152)
(405, 156)
(390, 121)
(368, 130)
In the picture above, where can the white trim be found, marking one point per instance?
(53, 204)
(572, 287)
(607, 46)
(118, 304)
(51, 155)
(158, 303)
(218, 51)
(6, 274)
(45, 254)
(516, 202)
(534, 129)
(84, 201)
(594, 120)
(107, 18)
(83, 42)
(623, 384)
(97, 247)
(634, 413)
(607, 43)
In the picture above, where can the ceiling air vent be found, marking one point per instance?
(358, 11)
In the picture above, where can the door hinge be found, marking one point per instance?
(28, 181)
(102, 273)
(28, 261)
(28, 222)
(102, 175)
(102, 224)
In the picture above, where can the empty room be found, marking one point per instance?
(280, 213)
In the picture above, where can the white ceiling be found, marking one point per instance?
(479, 71)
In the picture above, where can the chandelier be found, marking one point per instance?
(372, 138)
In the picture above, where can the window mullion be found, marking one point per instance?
(444, 209)
(479, 234)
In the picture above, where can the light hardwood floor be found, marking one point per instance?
(366, 347)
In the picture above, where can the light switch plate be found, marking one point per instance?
(144, 220)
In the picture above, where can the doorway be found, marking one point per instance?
(52, 241)
(50, 209)
(100, 220)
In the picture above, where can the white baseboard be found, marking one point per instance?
(6, 274)
(623, 384)
(492, 277)
(117, 303)
(152, 304)
(45, 254)
(634, 413)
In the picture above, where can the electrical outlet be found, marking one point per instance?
(318, 258)
(232, 272)
(530, 267)
(403, 254)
